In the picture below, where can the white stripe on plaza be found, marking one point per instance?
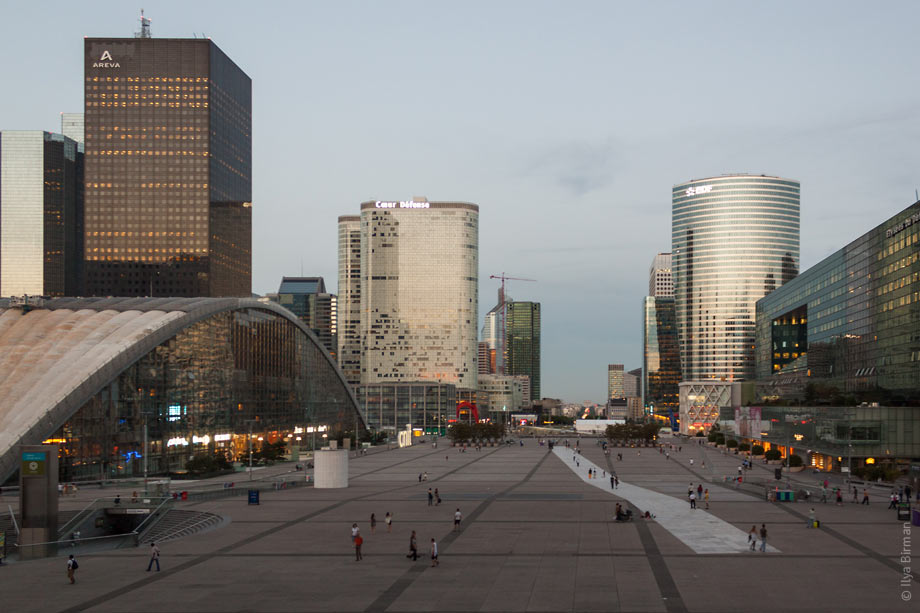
(699, 530)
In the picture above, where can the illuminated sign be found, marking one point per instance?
(203, 440)
(106, 61)
(700, 189)
(908, 222)
(219, 438)
(174, 412)
(402, 205)
(405, 437)
(177, 442)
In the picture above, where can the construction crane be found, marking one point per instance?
(504, 313)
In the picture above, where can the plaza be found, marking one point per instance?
(536, 535)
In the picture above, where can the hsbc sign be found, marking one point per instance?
(106, 61)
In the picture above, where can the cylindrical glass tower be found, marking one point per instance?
(734, 238)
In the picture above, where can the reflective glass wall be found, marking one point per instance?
(734, 240)
(202, 392)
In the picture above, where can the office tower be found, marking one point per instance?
(419, 292)
(522, 336)
(168, 169)
(41, 214)
(501, 395)
(72, 127)
(348, 305)
(492, 335)
(661, 356)
(615, 381)
(631, 387)
(485, 359)
(660, 280)
(307, 298)
(735, 238)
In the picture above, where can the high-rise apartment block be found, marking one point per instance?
(417, 288)
(615, 381)
(168, 169)
(41, 214)
(522, 336)
(307, 298)
(734, 240)
(660, 280)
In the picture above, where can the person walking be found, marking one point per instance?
(752, 537)
(865, 496)
(154, 557)
(457, 518)
(413, 547)
(706, 497)
(388, 520)
(359, 540)
(373, 523)
(430, 497)
(839, 498)
(691, 461)
(616, 482)
(855, 496)
(811, 518)
(72, 567)
(699, 491)
(823, 494)
(354, 531)
(763, 538)
(434, 552)
(437, 497)
(692, 500)
(894, 501)
(613, 483)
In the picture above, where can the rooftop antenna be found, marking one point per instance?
(145, 27)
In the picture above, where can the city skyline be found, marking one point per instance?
(836, 126)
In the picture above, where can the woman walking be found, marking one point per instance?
(373, 524)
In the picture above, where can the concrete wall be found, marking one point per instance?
(330, 468)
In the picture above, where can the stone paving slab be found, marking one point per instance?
(535, 537)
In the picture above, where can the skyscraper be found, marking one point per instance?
(660, 279)
(307, 298)
(418, 290)
(492, 336)
(168, 169)
(41, 214)
(522, 334)
(348, 305)
(615, 381)
(661, 356)
(735, 238)
(72, 127)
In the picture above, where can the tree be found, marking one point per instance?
(744, 447)
(795, 460)
(731, 444)
(460, 432)
(772, 454)
(757, 450)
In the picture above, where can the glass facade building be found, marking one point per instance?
(429, 407)
(522, 355)
(168, 169)
(41, 214)
(198, 373)
(848, 328)
(661, 356)
(348, 303)
(734, 240)
(307, 298)
(419, 292)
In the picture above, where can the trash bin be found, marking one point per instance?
(253, 496)
(184, 495)
(904, 511)
(916, 517)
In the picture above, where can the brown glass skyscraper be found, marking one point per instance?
(168, 169)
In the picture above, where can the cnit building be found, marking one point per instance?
(412, 309)
(168, 169)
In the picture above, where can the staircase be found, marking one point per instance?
(177, 523)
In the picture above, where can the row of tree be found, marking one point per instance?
(632, 433)
(465, 433)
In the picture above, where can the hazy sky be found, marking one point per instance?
(567, 122)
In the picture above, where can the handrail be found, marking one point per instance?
(78, 518)
(13, 517)
(71, 542)
(155, 513)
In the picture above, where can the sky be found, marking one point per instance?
(566, 122)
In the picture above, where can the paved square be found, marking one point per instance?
(536, 535)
